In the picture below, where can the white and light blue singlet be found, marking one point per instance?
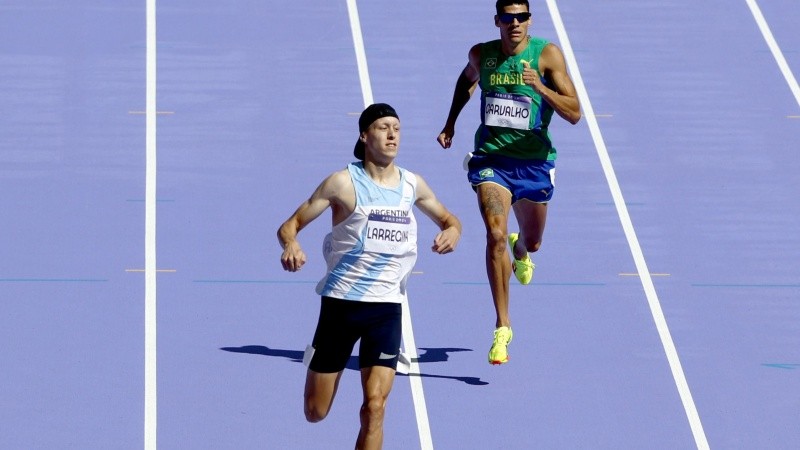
(370, 254)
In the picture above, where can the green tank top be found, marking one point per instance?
(514, 118)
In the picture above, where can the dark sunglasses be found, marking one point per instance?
(509, 18)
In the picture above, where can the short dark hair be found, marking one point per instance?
(501, 4)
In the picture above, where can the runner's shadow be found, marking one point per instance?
(292, 355)
(438, 354)
(430, 355)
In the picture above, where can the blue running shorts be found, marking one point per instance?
(531, 179)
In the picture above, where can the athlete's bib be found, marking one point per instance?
(388, 231)
(507, 110)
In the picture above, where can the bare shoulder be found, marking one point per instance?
(472, 70)
(337, 179)
(475, 54)
(424, 191)
(475, 50)
(551, 56)
(342, 192)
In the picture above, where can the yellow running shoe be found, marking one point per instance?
(498, 354)
(523, 268)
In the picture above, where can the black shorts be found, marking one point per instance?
(343, 322)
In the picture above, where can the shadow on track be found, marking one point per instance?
(430, 355)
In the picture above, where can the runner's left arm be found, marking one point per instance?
(562, 97)
(447, 239)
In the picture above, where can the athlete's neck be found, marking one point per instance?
(386, 175)
(512, 49)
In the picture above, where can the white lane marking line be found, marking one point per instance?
(361, 54)
(775, 49)
(630, 233)
(150, 382)
(414, 378)
(420, 409)
(159, 270)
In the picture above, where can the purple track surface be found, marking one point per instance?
(258, 101)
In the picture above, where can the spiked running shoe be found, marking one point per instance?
(498, 354)
(523, 268)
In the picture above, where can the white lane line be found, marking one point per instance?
(630, 234)
(150, 403)
(775, 49)
(420, 409)
(361, 54)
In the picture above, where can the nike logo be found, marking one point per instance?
(385, 356)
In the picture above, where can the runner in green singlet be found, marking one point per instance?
(523, 81)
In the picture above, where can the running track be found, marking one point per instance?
(664, 312)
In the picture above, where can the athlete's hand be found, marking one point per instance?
(446, 241)
(445, 138)
(531, 77)
(293, 257)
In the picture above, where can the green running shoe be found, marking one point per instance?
(498, 354)
(523, 268)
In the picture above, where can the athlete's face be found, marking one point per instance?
(513, 23)
(382, 138)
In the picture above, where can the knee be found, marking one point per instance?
(496, 237)
(314, 415)
(373, 410)
(533, 245)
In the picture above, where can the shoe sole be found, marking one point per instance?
(497, 362)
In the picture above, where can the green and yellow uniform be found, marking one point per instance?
(514, 118)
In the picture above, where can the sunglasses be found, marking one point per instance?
(508, 18)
